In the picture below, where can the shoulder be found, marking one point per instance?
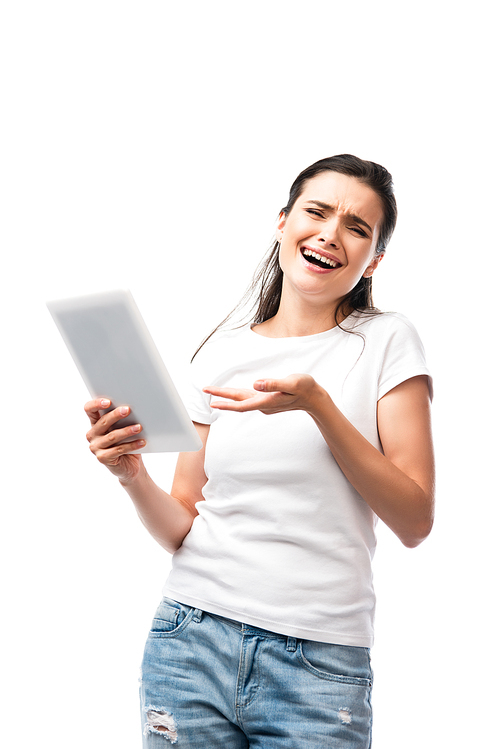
(222, 339)
(394, 347)
(380, 329)
(378, 322)
(220, 348)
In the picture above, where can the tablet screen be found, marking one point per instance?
(118, 359)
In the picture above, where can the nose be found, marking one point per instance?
(329, 234)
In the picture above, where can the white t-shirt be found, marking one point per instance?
(283, 541)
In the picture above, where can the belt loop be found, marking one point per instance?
(197, 615)
(291, 644)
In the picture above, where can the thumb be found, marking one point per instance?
(270, 386)
(265, 386)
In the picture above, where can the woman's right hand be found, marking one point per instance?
(103, 440)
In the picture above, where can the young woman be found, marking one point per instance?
(315, 422)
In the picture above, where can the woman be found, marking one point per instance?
(263, 636)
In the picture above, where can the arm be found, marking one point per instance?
(168, 517)
(398, 484)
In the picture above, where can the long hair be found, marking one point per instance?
(265, 288)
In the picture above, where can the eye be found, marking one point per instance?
(314, 212)
(358, 231)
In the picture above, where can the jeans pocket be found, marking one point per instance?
(170, 618)
(341, 663)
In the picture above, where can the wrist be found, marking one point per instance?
(134, 478)
(318, 400)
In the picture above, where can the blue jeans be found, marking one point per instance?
(214, 682)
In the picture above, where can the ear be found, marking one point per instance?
(370, 269)
(281, 226)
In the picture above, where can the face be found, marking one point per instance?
(328, 239)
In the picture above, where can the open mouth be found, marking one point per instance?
(320, 260)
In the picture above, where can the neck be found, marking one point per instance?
(297, 318)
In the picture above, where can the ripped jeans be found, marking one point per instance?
(214, 682)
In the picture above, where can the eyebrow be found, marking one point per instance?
(350, 216)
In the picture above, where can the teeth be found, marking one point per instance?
(310, 253)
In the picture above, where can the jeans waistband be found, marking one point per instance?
(251, 631)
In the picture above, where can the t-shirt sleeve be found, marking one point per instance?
(403, 357)
(197, 402)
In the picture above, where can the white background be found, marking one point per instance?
(151, 145)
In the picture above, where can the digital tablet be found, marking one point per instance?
(117, 358)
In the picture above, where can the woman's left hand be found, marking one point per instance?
(296, 392)
(397, 483)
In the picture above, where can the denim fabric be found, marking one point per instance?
(213, 682)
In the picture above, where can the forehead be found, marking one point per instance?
(345, 194)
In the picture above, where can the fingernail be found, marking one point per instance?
(105, 402)
(136, 428)
(124, 410)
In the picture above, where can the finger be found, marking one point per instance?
(107, 421)
(112, 455)
(231, 393)
(274, 402)
(114, 437)
(247, 404)
(94, 407)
